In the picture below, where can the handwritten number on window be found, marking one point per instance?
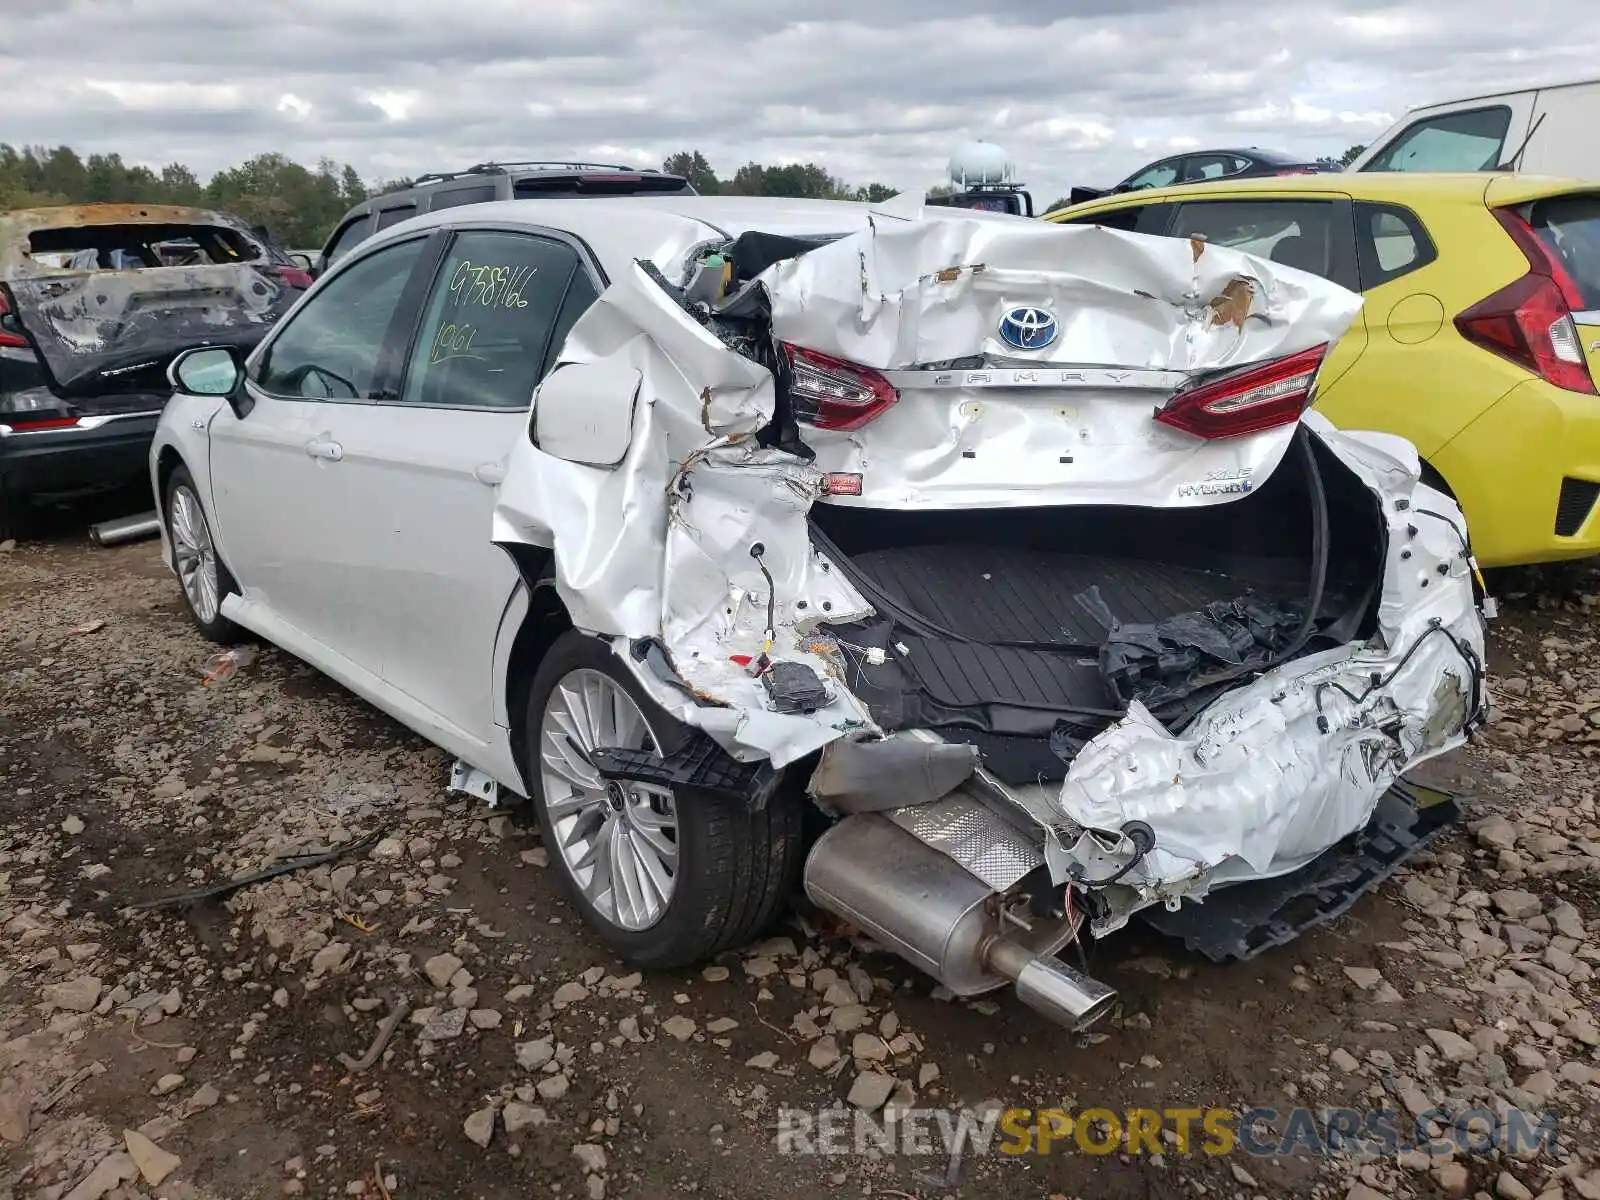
(453, 341)
(490, 286)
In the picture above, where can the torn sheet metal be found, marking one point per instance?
(660, 547)
(1273, 773)
(982, 423)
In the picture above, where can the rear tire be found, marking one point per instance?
(203, 579)
(731, 870)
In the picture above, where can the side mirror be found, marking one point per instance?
(584, 413)
(209, 371)
(303, 261)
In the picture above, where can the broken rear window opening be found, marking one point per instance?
(1027, 631)
(140, 246)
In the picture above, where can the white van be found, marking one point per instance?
(1543, 131)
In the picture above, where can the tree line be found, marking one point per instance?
(802, 180)
(297, 204)
(300, 205)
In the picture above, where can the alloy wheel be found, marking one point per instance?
(194, 553)
(619, 840)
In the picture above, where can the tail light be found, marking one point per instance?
(1247, 400)
(293, 277)
(830, 393)
(1529, 321)
(9, 333)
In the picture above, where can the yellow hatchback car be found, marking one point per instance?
(1479, 335)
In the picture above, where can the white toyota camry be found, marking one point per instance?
(991, 577)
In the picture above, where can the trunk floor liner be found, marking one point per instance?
(967, 675)
(1012, 594)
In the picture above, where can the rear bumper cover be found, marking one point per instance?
(100, 451)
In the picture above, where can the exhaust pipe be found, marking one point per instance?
(125, 529)
(941, 918)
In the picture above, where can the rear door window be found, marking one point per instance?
(393, 216)
(489, 322)
(1295, 233)
(1569, 226)
(1460, 141)
(1200, 167)
(455, 197)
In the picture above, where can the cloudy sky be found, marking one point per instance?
(873, 90)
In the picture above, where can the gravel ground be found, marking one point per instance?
(221, 1050)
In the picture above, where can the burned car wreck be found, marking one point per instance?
(1018, 547)
(95, 301)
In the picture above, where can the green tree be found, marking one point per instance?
(1351, 154)
(692, 165)
(178, 185)
(876, 193)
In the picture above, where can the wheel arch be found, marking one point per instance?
(545, 620)
(168, 460)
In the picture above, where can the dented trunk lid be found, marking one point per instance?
(992, 413)
(114, 332)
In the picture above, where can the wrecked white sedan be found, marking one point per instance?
(1004, 554)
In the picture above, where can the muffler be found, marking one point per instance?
(941, 918)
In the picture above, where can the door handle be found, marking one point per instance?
(325, 448)
(490, 473)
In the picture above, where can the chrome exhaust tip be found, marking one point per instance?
(125, 529)
(1049, 986)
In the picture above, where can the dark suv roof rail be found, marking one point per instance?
(542, 165)
(505, 168)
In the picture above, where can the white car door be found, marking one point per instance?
(423, 466)
(281, 498)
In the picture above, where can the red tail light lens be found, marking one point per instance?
(31, 424)
(293, 276)
(830, 393)
(1247, 400)
(1529, 321)
(9, 335)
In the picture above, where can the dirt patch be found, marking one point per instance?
(125, 780)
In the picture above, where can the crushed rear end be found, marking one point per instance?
(1018, 542)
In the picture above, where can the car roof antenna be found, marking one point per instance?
(1514, 162)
